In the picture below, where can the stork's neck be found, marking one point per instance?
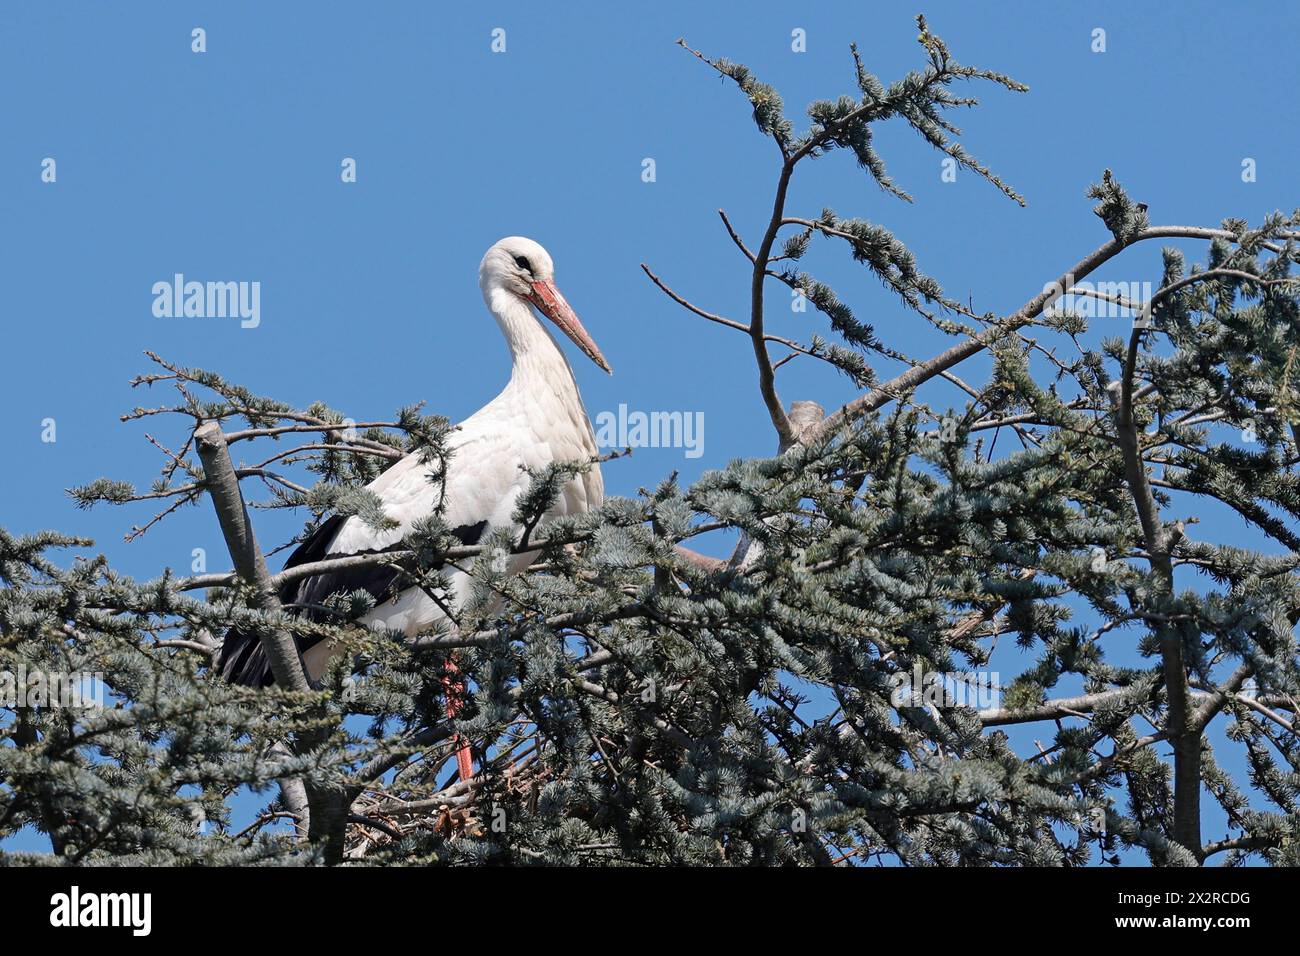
(539, 364)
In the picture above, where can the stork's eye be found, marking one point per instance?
(522, 262)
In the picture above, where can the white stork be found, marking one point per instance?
(536, 420)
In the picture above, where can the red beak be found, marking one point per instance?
(551, 304)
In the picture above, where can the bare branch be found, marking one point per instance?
(222, 484)
(1061, 707)
(735, 237)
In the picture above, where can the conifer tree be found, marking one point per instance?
(636, 702)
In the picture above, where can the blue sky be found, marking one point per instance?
(225, 165)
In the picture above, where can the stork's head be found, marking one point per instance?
(524, 269)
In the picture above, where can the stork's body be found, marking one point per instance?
(536, 420)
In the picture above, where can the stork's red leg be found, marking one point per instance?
(455, 690)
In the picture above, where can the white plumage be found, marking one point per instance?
(536, 420)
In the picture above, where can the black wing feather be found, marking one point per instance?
(242, 659)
